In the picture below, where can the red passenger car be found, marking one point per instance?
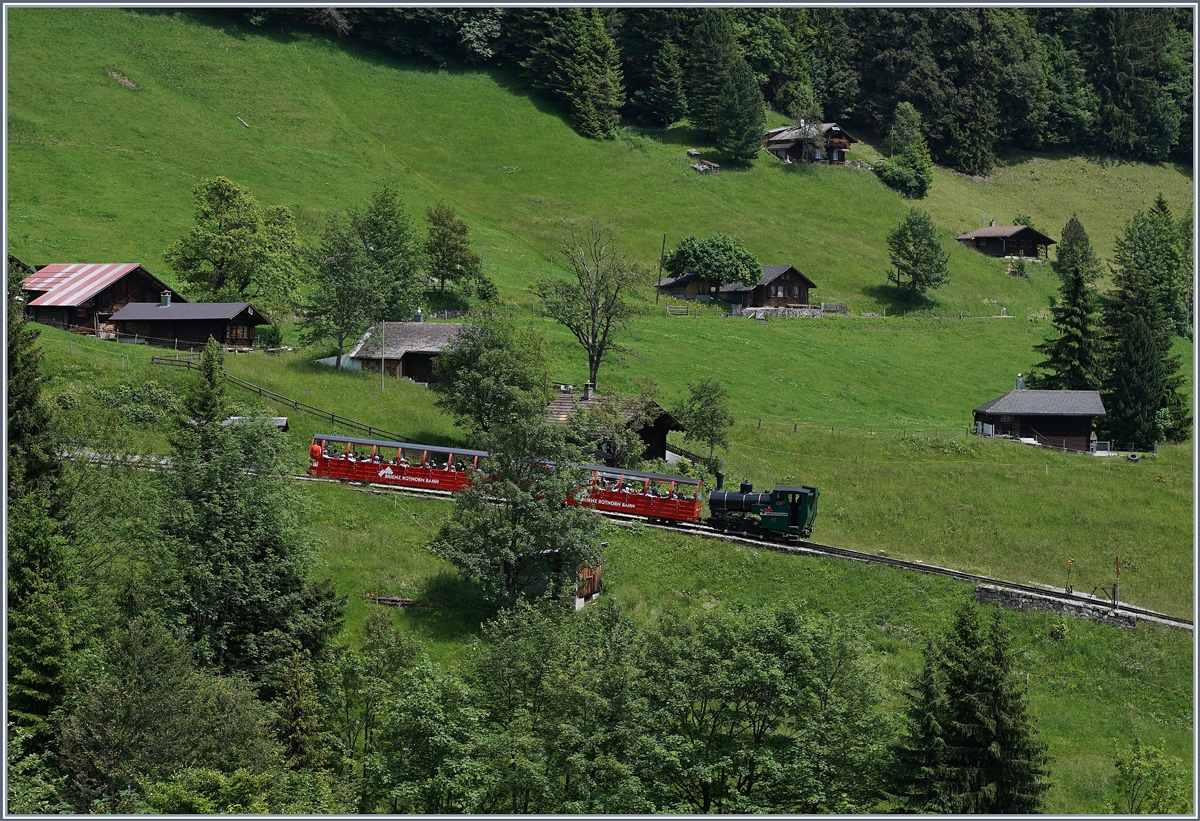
(651, 495)
(392, 463)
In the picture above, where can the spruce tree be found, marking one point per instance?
(971, 747)
(664, 100)
(604, 83)
(1073, 360)
(741, 117)
(910, 169)
(714, 52)
(1135, 391)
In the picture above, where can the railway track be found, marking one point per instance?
(1079, 600)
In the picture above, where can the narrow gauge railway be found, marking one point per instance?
(668, 502)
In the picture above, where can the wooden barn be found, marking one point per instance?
(230, 323)
(653, 434)
(87, 295)
(405, 349)
(812, 143)
(1057, 419)
(779, 286)
(1007, 241)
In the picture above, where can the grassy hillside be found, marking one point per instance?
(101, 171)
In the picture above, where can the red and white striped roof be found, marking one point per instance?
(68, 285)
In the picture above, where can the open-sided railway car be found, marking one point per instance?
(652, 495)
(392, 463)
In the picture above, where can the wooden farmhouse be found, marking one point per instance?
(1007, 241)
(404, 349)
(812, 143)
(87, 295)
(232, 324)
(1057, 419)
(653, 434)
(779, 286)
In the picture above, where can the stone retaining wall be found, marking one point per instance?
(1019, 600)
(808, 312)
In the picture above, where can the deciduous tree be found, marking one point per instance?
(351, 289)
(1150, 782)
(512, 531)
(918, 259)
(237, 250)
(448, 253)
(910, 168)
(490, 374)
(718, 258)
(594, 303)
(704, 414)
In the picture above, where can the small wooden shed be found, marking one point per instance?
(1007, 241)
(653, 434)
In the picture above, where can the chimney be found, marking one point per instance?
(1020, 382)
(588, 387)
(993, 223)
(420, 317)
(165, 300)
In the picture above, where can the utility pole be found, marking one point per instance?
(661, 256)
(382, 352)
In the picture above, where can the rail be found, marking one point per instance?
(266, 393)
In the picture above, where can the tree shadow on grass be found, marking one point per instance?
(898, 300)
(459, 607)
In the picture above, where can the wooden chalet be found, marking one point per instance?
(404, 349)
(653, 434)
(812, 143)
(232, 324)
(1058, 419)
(780, 286)
(87, 295)
(1007, 241)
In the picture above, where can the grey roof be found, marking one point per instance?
(1046, 403)
(679, 281)
(794, 133)
(400, 338)
(179, 311)
(769, 274)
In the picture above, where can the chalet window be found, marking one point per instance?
(796, 290)
(1005, 418)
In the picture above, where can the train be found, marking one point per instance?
(785, 512)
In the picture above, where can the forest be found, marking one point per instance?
(1110, 81)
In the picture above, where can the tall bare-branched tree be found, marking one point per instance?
(593, 304)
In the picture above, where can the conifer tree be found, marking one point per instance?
(970, 747)
(1135, 392)
(1073, 360)
(448, 252)
(916, 254)
(714, 51)
(740, 118)
(664, 100)
(910, 169)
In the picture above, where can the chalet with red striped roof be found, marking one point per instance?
(88, 294)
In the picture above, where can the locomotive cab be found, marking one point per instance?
(786, 511)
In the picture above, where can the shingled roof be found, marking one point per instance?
(400, 338)
(1045, 403)
(1005, 231)
(564, 405)
(769, 274)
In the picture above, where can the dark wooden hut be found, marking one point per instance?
(1058, 419)
(1007, 241)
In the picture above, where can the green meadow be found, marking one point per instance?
(873, 410)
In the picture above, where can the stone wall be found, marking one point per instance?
(807, 312)
(1019, 600)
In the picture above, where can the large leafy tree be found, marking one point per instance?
(918, 259)
(1073, 359)
(351, 289)
(237, 250)
(970, 746)
(242, 563)
(448, 253)
(593, 304)
(492, 373)
(717, 257)
(512, 531)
